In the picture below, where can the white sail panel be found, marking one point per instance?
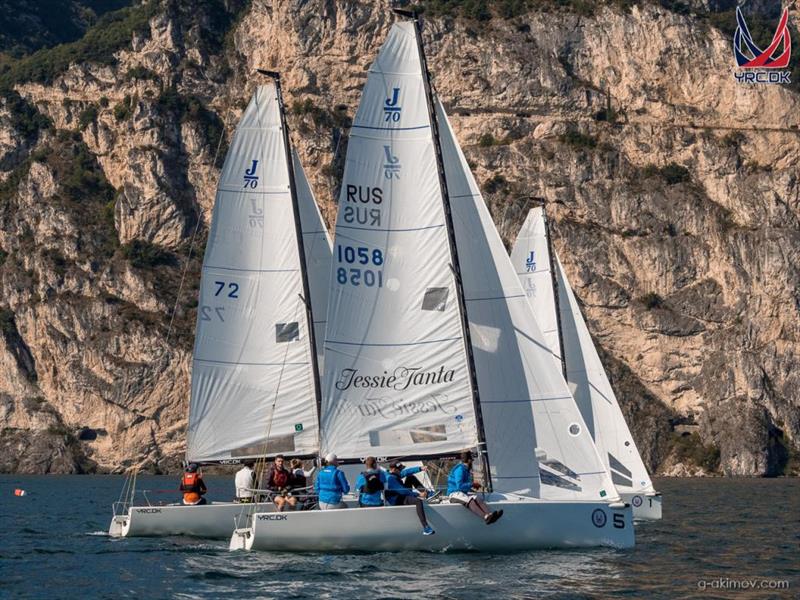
(317, 246)
(595, 397)
(252, 375)
(396, 380)
(536, 438)
(531, 259)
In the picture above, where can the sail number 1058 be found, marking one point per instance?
(363, 257)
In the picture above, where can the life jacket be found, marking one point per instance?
(279, 478)
(298, 478)
(373, 483)
(191, 498)
(191, 483)
(391, 496)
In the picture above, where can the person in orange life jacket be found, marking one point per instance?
(193, 486)
(370, 484)
(397, 494)
(460, 488)
(331, 484)
(278, 481)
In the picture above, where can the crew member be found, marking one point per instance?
(370, 484)
(193, 486)
(331, 484)
(460, 488)
(397, 494)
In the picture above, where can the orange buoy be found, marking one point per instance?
(19, 492)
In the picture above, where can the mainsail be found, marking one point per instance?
(396, 378)
(536, 438)
(253, 379)
(585, 373)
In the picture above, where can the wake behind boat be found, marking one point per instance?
(431, 349)
(255, 380)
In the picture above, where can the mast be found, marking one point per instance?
(554, 281)
(455, 266)
(276, 77)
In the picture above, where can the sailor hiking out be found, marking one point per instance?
(460, 486)
(397, 494)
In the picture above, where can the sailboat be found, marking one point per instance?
(431, 348)
(558, 314)
(255, 376)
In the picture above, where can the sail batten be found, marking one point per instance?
(253, 364)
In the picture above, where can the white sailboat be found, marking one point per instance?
(557, 311)
(431, 348)
(255, 380)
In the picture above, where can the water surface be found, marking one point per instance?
(715, 533)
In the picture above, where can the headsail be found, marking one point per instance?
(585, 373)
(252, 373)
(396, 381)
(533, 263)
(536, 438)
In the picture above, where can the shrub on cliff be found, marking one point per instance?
(143, 254)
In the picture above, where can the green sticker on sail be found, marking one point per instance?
(602, 492)
(298, 427)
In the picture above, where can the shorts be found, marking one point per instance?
(461, 498)
(326, 506)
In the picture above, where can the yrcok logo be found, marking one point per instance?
(757, 65)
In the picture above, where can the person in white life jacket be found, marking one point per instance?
(279, 482)
(244, 482)
(193, 486)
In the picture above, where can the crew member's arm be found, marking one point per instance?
(202, 484)
(410, 471)
(343, 485)
(360, 483)
(395, 485)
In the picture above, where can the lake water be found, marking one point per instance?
(716, 534)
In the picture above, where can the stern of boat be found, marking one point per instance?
(119, 525)
(646, 505)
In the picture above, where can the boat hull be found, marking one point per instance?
(646, 507)
(214, 521)
(525, 525)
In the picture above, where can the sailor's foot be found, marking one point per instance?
(428, 530)
(491, 518)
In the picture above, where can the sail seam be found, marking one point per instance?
(397, 344)
(526, 400)
(258, 364)
(251, 270)
(390, 230)
(495, 298)
(390, 128)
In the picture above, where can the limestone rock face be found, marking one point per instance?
(673, 192)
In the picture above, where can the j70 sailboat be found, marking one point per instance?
(431, 348)
(559, 316)
(255, 377)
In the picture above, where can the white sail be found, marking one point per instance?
(585, 373)
(536, 438)
(532, 261)
(317, 247)
(595, 397)
(396, 379)
(252, 375)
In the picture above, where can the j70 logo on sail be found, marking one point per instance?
(250, 177)
(757, 65)
(391, 111)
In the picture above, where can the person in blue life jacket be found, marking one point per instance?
(397, 494)
(370, 484)
(331, 484)
(460, 486)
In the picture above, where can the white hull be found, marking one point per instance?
(527, 524)
(215, 520)
(645, 506)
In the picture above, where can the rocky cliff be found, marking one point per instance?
(673, 191)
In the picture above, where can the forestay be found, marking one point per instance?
(395, 379)
(532, 262)
(536, 438)
(252, 375)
